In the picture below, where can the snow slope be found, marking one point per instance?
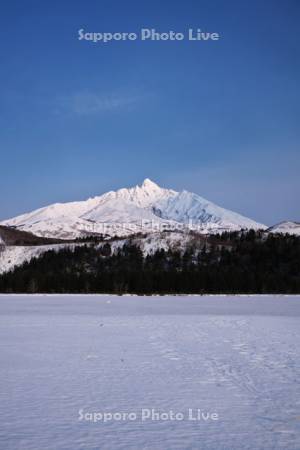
(149, 244)
(13, 256)
(186, 207)
(286, 227)
(127, 211)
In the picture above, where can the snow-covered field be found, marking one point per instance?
(235, 357)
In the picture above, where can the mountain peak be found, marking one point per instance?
(149, 184)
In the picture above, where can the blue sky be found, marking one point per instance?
(217, 118)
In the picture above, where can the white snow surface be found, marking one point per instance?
(127, 211)
(238, 357)
(286, 227)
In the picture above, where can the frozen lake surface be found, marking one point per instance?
(235, 357)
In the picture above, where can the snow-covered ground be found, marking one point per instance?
(237, 357)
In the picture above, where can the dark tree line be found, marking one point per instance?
(249, 262)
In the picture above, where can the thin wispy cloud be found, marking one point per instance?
(91, 103)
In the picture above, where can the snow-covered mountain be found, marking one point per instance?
(286, 227)
(126, 211)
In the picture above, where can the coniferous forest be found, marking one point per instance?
(249, 262)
